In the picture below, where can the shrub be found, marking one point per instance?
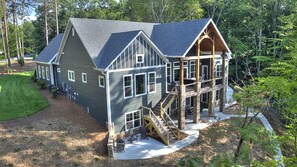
(33, 78)
(54, 92)
(21, 61)
(41, 84)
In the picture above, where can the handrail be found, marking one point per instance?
(171, 92)
(171, 121)
(152, 113)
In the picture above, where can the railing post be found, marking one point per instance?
(161, 109)
(168, 138)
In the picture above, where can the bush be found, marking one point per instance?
(54, 92)
(21, 61)
(34, 56)
(41, 84)
(33, 78)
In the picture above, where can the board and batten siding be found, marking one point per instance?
(88, 95)
(47, 81)
(127, 59)
(120, 106)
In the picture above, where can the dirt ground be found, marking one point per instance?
(65, 135)
(15, 67)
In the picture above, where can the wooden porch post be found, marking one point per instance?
(196, 117)
(211, 101)
(181, 96)
(223, 90)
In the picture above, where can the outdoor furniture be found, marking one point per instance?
(120, 145)
(133, 138)
(143, 133)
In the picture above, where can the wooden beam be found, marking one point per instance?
(190, 57)
(223, 64)
(181, 71)
(213, 58)
(198, 62)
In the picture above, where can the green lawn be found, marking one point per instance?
(18, 97)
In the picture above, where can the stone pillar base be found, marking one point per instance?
(211, 99)
(181, 107)
(196, 117)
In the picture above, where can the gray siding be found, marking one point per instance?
(89, 95)
(120, 106)
(47, 81)
(127, 58)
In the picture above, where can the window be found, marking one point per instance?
(132, 120)
(176, 76)
(73, 32)
(58, 70)
(43, 72)
(152, 82)
(140, 84)
(47, 73)
(128, 86)
(204, 97)
(218, 93)
(71, 76)
(139, 58)
(218, 70)
(101, 81)
(39, 72)
(84, 77)
(193, 69)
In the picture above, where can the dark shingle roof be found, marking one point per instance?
(114, 46)
(174, 39)
(50, 50)
(95, 33)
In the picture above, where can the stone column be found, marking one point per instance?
(196, 117)
(223, 90)
(181, 107)
(211, 98)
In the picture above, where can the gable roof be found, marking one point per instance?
(50, 51)
(95, 33)
(174, 39)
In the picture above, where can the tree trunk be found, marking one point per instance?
(45, 21)
(237, 152)
(6, 33)
(57, 21)
(14, 18)
(236, 69)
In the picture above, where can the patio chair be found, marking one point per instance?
(143, 133)
(120, 145)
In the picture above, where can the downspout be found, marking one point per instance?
(52, 74)
(110, 126)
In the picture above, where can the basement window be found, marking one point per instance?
(132, 120)
(84, 77)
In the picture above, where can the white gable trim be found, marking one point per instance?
(210, 21)
(151, 45)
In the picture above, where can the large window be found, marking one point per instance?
(39, 71)
(193, 69)
(47, 73)
(140, 84)
(71, 76)
(132, 120)
(176, 76)
(128, 86)
(43, 72)
(84, 77)
(152, 82)
(101, 82)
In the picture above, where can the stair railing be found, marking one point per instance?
(162, 108)
(147, 111)
(168, 121)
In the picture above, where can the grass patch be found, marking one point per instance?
(18, 97)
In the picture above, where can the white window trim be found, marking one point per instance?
(70, 79)
(139, 113)
(73, 32)
(138, 55)
(127, 97)
(82, 77)
(58, 70)
(43, 72)
(39, 71)
(202, 72)
(145, 84)
(99, 78)
(47, 73)
(170, 71)
(148, 82)
(194, 64)
(185, 74)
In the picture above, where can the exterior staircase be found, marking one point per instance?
(159, 122)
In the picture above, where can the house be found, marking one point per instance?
(44, 61)
(127, 74)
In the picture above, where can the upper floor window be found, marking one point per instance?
(139, 58)
(47, 73)
(84, 77)
(73, 32)
(193, 69)
(218, 71)
(71, 76)
(128, 86)
(101, 81)
(152, 82)
(43, 72)
(140, 84)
